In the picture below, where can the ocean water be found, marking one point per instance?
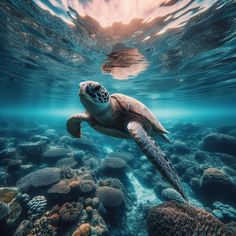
(176, 57)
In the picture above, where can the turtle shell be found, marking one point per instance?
(131, 108)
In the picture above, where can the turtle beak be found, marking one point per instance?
(82, 88)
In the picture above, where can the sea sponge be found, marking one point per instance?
(169, 194)
(39, 178)
(110, 197)
(70, 211)
(4, 210)
(36, 207)
(172, 218)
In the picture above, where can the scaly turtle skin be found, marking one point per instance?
(121, 116)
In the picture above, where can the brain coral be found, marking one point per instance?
(169, 194)
(39, 178)
(109, 196)
(172, 218)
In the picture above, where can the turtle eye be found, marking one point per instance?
(96, 88)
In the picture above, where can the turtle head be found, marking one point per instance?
(94, 96)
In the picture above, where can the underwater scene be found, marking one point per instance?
(118, 118)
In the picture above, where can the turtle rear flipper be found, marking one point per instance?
(155, 155)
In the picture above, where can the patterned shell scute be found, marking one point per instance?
(136, 109)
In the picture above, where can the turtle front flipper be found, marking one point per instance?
(73, 124)
(155, 155)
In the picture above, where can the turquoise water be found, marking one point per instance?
(176, 57)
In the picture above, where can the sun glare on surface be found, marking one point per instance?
(108, 12)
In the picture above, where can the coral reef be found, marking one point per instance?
(4, 210)
(32, 150)
(15, 213)
(13, 166)
(109, 196)
(172, 218)
(70, 211)
(43, 226)
(112, 182)
(87, 186)
(180, 148)
(114, 166)
(114, 163)
(39, 178)
(224, 212)
(60, 189)
(169, 194)
(216, 142)
(24, 228)
(75, 187)
(201, 157)
(36, 207)
(7, 194)
(54, 153)
(216, 185)
(126, 156)
(68, 162)
(83, 230)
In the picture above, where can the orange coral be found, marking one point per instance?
(83, 230)
(74, 183)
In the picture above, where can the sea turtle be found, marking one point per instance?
(122, 116)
